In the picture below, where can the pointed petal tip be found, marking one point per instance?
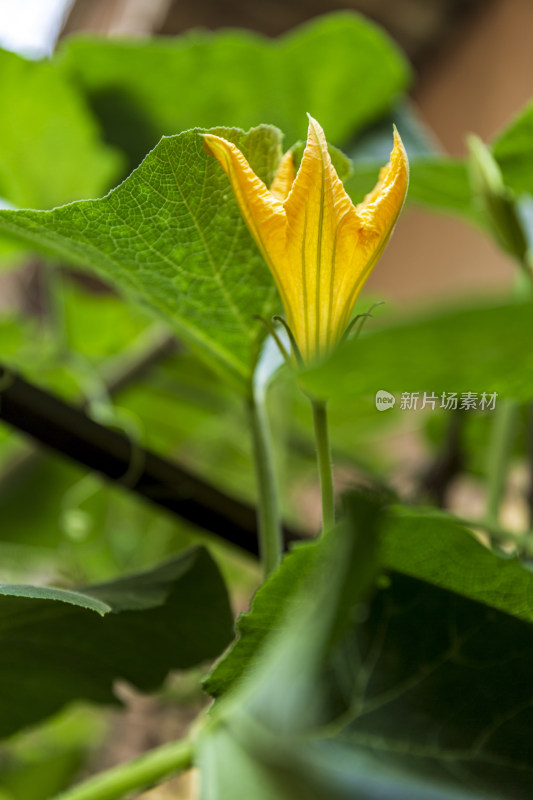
(316, 135)
(398, 166)
(314, 125)
(216, 144)
(316, 139)
(380, 208)
(399, 147)
(212, 143)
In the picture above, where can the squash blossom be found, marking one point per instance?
(318, 245)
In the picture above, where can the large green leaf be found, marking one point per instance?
(56, 649)
(280, 693)
(172, 236)
(442, 691)
(436, 547)
(50, 150)
(438, 701)
(480, 349)
(428, 697)
(142, 90)
(422, 543)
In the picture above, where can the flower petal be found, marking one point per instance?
(284, 177)
(315, 207)
(263, 213)
(381, 207)
(319, 247)
(365, 233)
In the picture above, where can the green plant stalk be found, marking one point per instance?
(140, 773)
(506, 415)
(270, 535)
(325, 471)
(500, 447)
(505, 418)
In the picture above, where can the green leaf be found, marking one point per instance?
(14, 332)
(320, 585)
(280, 694)
(428, 696)
(427, 544)
(480, 349)
(41, 762)
(337, 61)
(436, 182)
(513, 149)
(434, 546)
(121, 324)
(441, 692)
(50, 150)
(55, 651)
(268, 608)
(172, 236)
(442, 184)
(250, 761)
(49, 593)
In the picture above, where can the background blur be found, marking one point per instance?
(473, 66)
(474, 70)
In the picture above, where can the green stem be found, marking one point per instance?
(325, 471)
(500, 447)
(147, 770)
(270, 536)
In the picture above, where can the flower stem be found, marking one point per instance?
(500, 446)
(142, 772)
(323, 452)
(270, 538)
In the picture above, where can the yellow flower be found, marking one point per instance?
(319, 246)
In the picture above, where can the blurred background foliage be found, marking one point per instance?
(74, 125)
